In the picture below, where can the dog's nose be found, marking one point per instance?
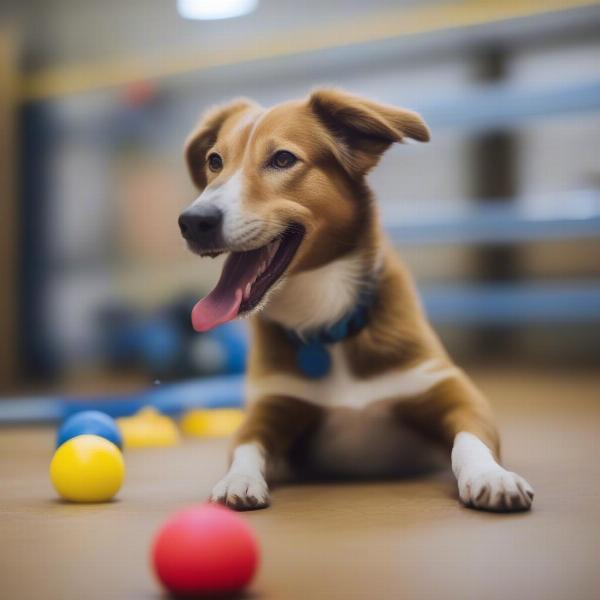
(201, 225)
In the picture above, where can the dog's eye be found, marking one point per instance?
(283, 160)
(215, 162)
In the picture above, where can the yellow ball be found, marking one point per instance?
(87, 468)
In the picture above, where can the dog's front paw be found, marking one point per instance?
(494, 489)
(241, 492)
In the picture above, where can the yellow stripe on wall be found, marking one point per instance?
(384, 25)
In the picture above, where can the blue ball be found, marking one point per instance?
(91, 422)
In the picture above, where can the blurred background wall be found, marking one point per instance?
(498, 216)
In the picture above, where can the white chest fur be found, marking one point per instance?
(341, 388)
(317, 298)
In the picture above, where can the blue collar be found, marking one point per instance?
(312, 355)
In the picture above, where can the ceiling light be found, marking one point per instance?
(215, 9)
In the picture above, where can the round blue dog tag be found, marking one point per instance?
(313, 359)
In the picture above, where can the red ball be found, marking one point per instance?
(205, 550)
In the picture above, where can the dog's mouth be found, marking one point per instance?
(246, 278)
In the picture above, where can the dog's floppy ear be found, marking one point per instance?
(205, 135)
(362, 130)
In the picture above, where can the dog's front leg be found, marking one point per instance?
(482, 482)
(457, 414)
(271, 427)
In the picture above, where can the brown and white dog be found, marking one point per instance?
(283, 191)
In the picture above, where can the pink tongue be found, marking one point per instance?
(212, 311)
(223, 303)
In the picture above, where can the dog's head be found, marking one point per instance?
(282, 190)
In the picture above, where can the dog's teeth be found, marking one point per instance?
(247, 291)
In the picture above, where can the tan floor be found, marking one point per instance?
(406, 539)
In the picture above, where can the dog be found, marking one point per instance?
(345, 377)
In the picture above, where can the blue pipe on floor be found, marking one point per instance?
(171, 398)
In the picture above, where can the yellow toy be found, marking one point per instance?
(212, 422)
(87, 468)
(148, 428)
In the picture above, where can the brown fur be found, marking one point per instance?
(279, 423)
(451, 406)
